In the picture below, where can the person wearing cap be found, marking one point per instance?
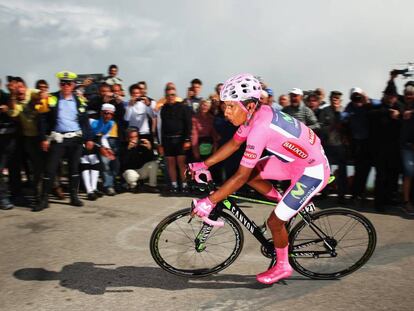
(91, 159)
(356, 120)
(63, 130)
(300, 111)
(385, 126)
(334, 140)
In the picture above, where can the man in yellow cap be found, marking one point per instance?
(63, 129)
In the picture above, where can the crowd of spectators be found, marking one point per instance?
(119, 139)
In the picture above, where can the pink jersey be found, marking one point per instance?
(289, 140)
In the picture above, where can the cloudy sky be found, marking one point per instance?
(300, 43)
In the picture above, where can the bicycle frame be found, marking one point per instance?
(230, 205)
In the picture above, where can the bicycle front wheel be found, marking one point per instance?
(174, 248)
(336, 243)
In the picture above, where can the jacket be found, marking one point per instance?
(48, 120)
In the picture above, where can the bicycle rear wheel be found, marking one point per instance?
(174, 249)
(349, 240)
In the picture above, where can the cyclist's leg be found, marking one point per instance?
(310, 181)
(268, 168)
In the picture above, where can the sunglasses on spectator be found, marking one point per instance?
(65, 83)
(170, 94)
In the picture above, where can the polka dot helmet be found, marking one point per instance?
(241, 87)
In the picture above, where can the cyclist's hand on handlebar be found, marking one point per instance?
(202, 207)
(197, 170)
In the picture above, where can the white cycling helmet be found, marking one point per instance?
(242, 87)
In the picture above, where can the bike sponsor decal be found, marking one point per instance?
(301, 191)
(250, 147)
(250, 155)
(295, 149)
(242, 218)
(285, 124)
(312, 137)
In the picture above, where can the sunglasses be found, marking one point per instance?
(108, 112)
(170, 94)
(65, 83)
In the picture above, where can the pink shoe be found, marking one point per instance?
(275, 274)
(282, 270)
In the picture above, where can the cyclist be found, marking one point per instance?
(297, 155)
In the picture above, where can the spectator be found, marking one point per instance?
(264, 98)
(138, 163)
(140, 112)
(144, 90)
(320, 92)
(161, 101)
(193, 99)
(271, 99)
(283, 101)
(42, 106)
(90, 162)
(204, 137)
(225, 130)
(334, 141)
(385, 147)
(356, 119)
(407, 148)
(8, 131)
(313, 103)
(112, 77)
(63, 130)
(174, 129)
(107, 96)
(298, 110)
(23, 107)
(215, 99)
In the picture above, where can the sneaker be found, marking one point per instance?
(110, 191)
(408, 208)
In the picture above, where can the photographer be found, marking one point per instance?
(357, 121)
(385, 125)
(140, 112)
(138, 163)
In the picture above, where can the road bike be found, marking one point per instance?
(325, 245)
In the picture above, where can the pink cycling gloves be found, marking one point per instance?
(203, 207)
(199, 169)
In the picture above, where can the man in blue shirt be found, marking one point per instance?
(63, 129)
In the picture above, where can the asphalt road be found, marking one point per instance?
(97, 258)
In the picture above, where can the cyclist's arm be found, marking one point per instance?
(232, 184)
(223, 152)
